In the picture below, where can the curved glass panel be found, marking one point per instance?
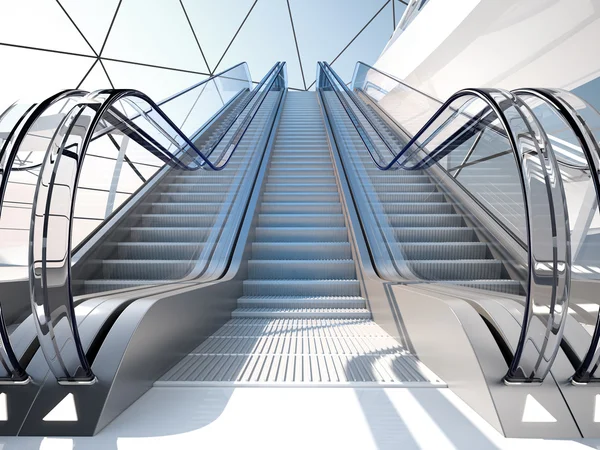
(126, 182)
(475, 174)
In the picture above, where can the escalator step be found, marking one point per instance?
(301, 269)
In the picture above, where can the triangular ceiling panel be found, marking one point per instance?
(93, 18)
(158, 84)
(341, 28)
(95, 79)
(266, 38)
(373, 37)
(180, 34)
(38, 74)
(215, 24)
(154, 32)
(40, 24)
(400, 8)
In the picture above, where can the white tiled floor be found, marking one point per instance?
(296, 418)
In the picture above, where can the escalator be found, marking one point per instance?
(302, 318)
(176, 223)
(126, 180)
(350, 237)
(488, 169)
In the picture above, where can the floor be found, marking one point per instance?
(296, 418)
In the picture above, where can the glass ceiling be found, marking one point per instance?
(163, 46)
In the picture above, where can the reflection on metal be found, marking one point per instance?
(548, 238)
(110, 204)
(584, 121)
(10, 367)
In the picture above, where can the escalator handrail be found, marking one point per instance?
(174, 96)
(529, 143)
(358, 105)
(428, 159)
(560, 101)
(50, 266)
(438, 101)
(141, 137)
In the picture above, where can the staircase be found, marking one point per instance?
(302, 318)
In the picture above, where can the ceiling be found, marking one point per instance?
(163, 46)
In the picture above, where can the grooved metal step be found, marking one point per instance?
(301, 220)
(156, 250)
(435, 234)
(301, 187)
(302, 313)
(444, 250)
(166, 234)
(302, 287)
(301, 234)
(301, 250)
(175, 220)
(140, 269)
(299, 301)
(301, 269)
(487, 269)
(301, 207)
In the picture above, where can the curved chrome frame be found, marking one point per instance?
(547, 230)
(10, 367)
(562, 101)
(54, 203)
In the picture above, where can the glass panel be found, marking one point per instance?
(47, 26)
(92, 17)
(134, 36)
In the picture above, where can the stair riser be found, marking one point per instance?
(298, 220)
(299, 208)
(301, 270)
(421, 220)
(168, 235)
(418, 208)
(303, 303)
(301, 188)
(450, 251)
(301, 251)
(290, 288)
(488, 270)
(158, 251)
(177, 220)
(279, 234)
(302, 315)
(435, 235)
(173, 208)
(154, 270)
(303, 197)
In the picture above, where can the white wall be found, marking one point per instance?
(456, 44)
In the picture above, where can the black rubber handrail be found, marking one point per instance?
(106, 111)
